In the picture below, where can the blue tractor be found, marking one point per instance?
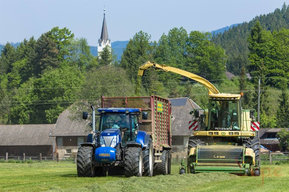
(117, 146)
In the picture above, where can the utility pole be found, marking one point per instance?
(259, 94)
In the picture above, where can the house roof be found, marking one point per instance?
(31, 134)
(181, 108)
(269, 141)
(70, 124)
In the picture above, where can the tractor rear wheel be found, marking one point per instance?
(148, 160)
(85, 166)
(133, 163)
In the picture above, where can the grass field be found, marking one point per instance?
(53, 176)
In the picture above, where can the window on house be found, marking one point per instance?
(80, 140)
(178, 140)
(59, 141)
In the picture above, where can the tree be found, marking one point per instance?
(80, 55)
(283, 110)
(51, 49)
(137, 52)
(8, 56)
(205, 58)
(259, 44)
(284, 139)
(105, 57)
(106, 80)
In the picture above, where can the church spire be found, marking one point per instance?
(103, 41)
(104, 32)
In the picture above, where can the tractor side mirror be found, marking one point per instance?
(84, 115)
(144, 115)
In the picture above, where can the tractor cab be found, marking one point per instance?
(121, 122)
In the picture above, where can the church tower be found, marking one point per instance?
(103, 41)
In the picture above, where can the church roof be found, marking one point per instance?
(104, 32)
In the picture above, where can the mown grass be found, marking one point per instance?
(53, 176)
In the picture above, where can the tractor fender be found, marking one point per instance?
(133, 144)
(88, 144)
(143, 138)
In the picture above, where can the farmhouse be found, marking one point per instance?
(269, 139)
(31, 140)
(181, 108)
(69, 132)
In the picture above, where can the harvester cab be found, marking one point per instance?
(224, 113)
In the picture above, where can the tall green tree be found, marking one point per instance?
(8, 56)
(205, 58)
(283, 110)
(105, 57)
(137, 52)
(259, 45)
(107, 80)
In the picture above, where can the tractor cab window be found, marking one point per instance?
(224, 115)
(130, 134)
(114, 121)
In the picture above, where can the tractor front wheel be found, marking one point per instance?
(85, 166)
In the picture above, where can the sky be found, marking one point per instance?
(22, 19)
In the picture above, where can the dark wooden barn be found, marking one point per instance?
(30, 140)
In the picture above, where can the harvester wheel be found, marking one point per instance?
(148, 160)
(85, 166)
(257, 172)
(163, 167)
(133, 163)
(255, 145)
(193, 142)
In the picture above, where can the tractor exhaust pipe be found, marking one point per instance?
(93, 119)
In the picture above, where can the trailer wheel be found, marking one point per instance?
(163, 167)
(85, 166)
(148, 160)
(133, 163)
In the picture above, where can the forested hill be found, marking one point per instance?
(234, 40)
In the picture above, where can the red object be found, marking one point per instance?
(255, 125)
(193, 125)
